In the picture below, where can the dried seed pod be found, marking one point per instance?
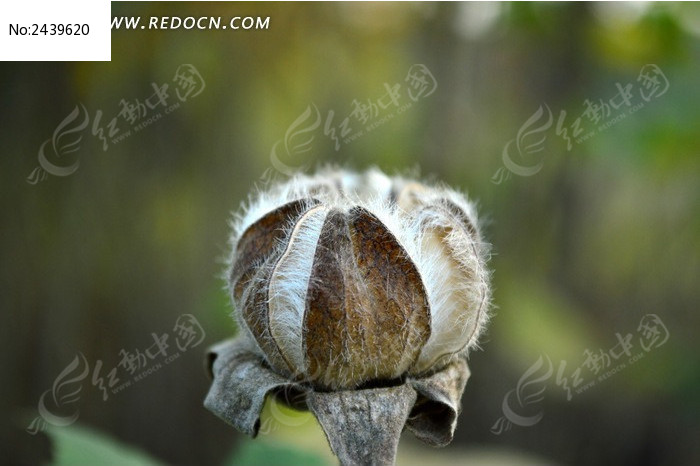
(360, 294)
(346, 280)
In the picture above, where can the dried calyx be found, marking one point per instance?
(362, 292)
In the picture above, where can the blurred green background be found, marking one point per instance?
(605, 233)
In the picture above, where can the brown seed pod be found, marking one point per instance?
(360, 295)
(344, 280)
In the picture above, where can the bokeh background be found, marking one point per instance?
(603, 234)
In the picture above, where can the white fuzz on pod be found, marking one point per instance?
(344, 279)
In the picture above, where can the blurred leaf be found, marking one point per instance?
(76, 446)
(259, 452)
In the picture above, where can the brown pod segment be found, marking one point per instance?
(446, 224)
(367, 314)
(259, 241)
(258, 250)
(256, 314)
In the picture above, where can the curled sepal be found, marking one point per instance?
(241, 381)
(434, 416)
(363, 426)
